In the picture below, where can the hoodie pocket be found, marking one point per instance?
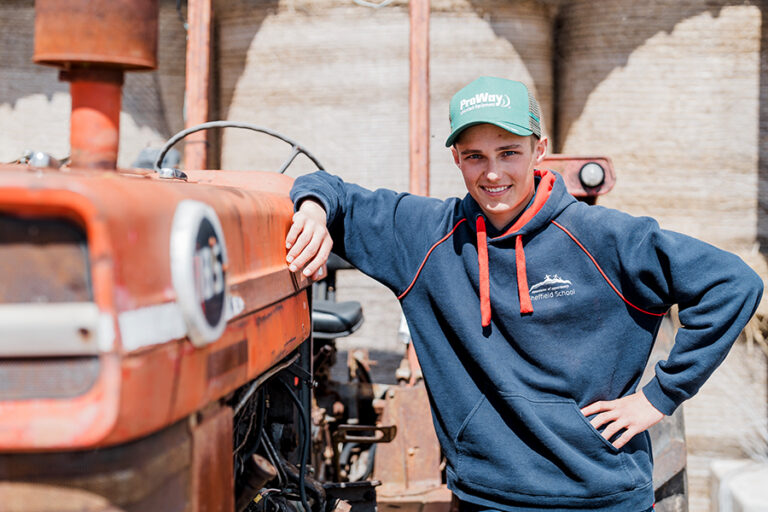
(538, 447)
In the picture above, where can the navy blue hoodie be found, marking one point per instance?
(517, 330)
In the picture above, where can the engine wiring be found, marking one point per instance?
(306, 438)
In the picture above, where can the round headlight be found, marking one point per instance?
(592, 175)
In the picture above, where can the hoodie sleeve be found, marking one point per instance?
(383, 233)
(716, 292)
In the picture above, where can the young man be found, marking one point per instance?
(532, 314)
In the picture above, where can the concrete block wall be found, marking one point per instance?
(671, 90)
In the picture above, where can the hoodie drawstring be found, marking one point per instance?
(526, 306)
(482, 264)
(545, 186)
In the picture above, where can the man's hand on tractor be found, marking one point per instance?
(308, 240)
(632, 414)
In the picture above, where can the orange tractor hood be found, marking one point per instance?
(188, 296)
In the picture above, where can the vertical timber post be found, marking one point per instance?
(419, 97)
(197, 82)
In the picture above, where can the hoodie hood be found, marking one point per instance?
(550, 198)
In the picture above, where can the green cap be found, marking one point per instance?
(504, 103)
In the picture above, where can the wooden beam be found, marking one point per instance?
(419, 97)
(198, 77)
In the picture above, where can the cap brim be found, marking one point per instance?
(512, 128)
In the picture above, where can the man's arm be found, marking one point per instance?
(716, 292)
(381, 232)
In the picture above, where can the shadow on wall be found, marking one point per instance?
(235, 25)
(509, 29)
(629, 24)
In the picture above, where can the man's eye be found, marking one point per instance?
(474, 156)
(509, 153)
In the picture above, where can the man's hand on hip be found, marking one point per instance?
(308, 240)
(632, 414)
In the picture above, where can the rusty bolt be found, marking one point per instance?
(378, 405)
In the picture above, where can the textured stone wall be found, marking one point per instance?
(35, 105)
(671, 91)
(674, 91)
(334, 76)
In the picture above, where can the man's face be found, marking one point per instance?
(498, 169)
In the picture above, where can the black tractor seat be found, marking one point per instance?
(335, 319)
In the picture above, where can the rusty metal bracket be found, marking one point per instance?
(368, 434)
(297, 371)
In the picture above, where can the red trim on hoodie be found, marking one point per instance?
(446, 237)
(546, 183)
(542, 194)
(603, 273)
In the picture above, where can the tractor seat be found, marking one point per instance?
(335, 319)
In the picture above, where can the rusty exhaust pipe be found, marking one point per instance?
(93, 42)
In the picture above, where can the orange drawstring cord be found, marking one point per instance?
(482, 263)
(526, 306)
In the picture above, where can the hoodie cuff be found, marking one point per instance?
(658, 398)
(301, 197)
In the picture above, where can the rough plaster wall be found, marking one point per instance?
(35, 105)
(670, 90)
(334, 76)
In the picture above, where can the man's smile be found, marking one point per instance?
(495, 190)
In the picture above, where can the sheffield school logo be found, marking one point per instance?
(551, 287)
(484, 99)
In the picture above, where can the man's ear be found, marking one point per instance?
(541, 149)
(455, 153)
